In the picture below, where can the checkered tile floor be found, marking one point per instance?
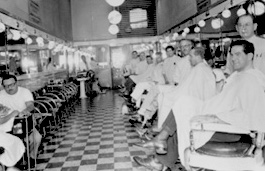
(95, 137)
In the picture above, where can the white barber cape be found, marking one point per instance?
(200, 83)
(156, 78)
(14, 149)
(182, 70)
(259, 57)
(141, 67)
(241, 104)
(157, 75)
(145, 76)
(169, 67)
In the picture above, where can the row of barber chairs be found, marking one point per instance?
(52, 105)
(55, 103)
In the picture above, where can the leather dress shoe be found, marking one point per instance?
(159, 146)
(148, 162)
(141, 131)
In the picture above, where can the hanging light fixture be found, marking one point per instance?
(24, 34)
(28, 40)
(197, 29)
(115, 3)
(2, 27)
(51, 44)
(9, 35)
(217, 23)
(114, 29)
(258, 8)
(241, 11)
(201, 23)
(167, 39)
(187, 30)
(226, 13)
(175, 35)
(39, 40)
(183, 34)
(16, 34)
(114, 17)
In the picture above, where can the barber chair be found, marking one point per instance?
(2, 150)
(241, 155)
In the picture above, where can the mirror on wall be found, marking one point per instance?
(28, 54)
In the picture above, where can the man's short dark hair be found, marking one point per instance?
(199, 51)
(135, 52)
(247, 46)
(7, 77)
(245, 15)
(148, 56)
(170, 47)
(158, 53)
(189, 40)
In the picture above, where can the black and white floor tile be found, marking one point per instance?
(95, 137)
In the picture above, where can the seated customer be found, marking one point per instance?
(240, 103)
(20, 99)
(156, 77)
(140, 69)
(200, 83)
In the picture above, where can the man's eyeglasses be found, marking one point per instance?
(185, 46)
(10, 85)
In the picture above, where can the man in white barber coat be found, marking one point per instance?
(246, 27)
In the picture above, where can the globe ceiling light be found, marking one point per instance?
(28, 40)
(257, 8)
(167, 39)
(217, 23)
(183, 34)
(197, 29)
(41, 44)
(39, 40)
(51, 44)
(114, 17)
(9, 35)
(187, 30)
(24, 34)
(115, 3)
(16, 34)
(2, 27)
(226, 13)
(201, 23)
(175, 35)
(114, 29)
(241, 11)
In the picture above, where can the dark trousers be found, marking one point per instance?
(172, 155)
(129, 84)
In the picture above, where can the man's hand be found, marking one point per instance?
(24, 113)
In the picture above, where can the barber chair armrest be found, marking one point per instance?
(212, 123)
(38, 115)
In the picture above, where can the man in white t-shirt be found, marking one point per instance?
(19, 99)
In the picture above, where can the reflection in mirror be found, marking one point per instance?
(29, 54)
(3, 58)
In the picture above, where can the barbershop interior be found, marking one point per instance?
(132, 85)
